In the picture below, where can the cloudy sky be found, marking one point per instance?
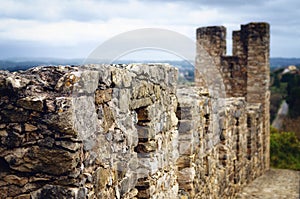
(72, 29)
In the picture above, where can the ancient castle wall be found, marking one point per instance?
(113, 132)
(129, 131)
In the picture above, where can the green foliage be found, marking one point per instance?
(285, 150)
(276, 81)
(281, 89)
(287, 77)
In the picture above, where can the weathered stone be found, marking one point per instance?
(105, 114)
(157, 91)
(173, 119)
(30, 127)
(52, 191)
(87, 82)
(185, 126)
(141, 70)
(105, 74)
(3, 133)
(62, 119)
(72, 146)
(32, 103)
(122, 77)
(143, 90)
(23, 196)
(15, 115)
(102, 96)
(13, 139)
(39, 159)
(135, 104)
(186, 175)
(145, 132)
(147, 147)
(184, 161)
(13, 179)
(124, 98)
(16, 127)
(103, 177)
(17, 81)
(133, 192)
(50, 105)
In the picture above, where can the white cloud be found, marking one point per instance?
(61, 33)
(62, 23)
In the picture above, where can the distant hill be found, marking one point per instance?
(282, 62)
(25, 63)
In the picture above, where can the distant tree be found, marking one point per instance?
(287, 77)
(293, 100)
(276, 81)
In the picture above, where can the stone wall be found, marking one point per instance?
(112, 132)
(89, 132)
(217, 167)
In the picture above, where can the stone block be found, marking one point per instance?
(102, 96)
(32, 103)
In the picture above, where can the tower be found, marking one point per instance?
(256, 41)
(211, 46)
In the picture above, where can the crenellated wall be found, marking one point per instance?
(129, 131)
(246, 72)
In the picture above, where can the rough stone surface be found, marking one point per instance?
(88, 132)
(218, 162)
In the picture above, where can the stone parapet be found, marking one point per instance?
(95, 131)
